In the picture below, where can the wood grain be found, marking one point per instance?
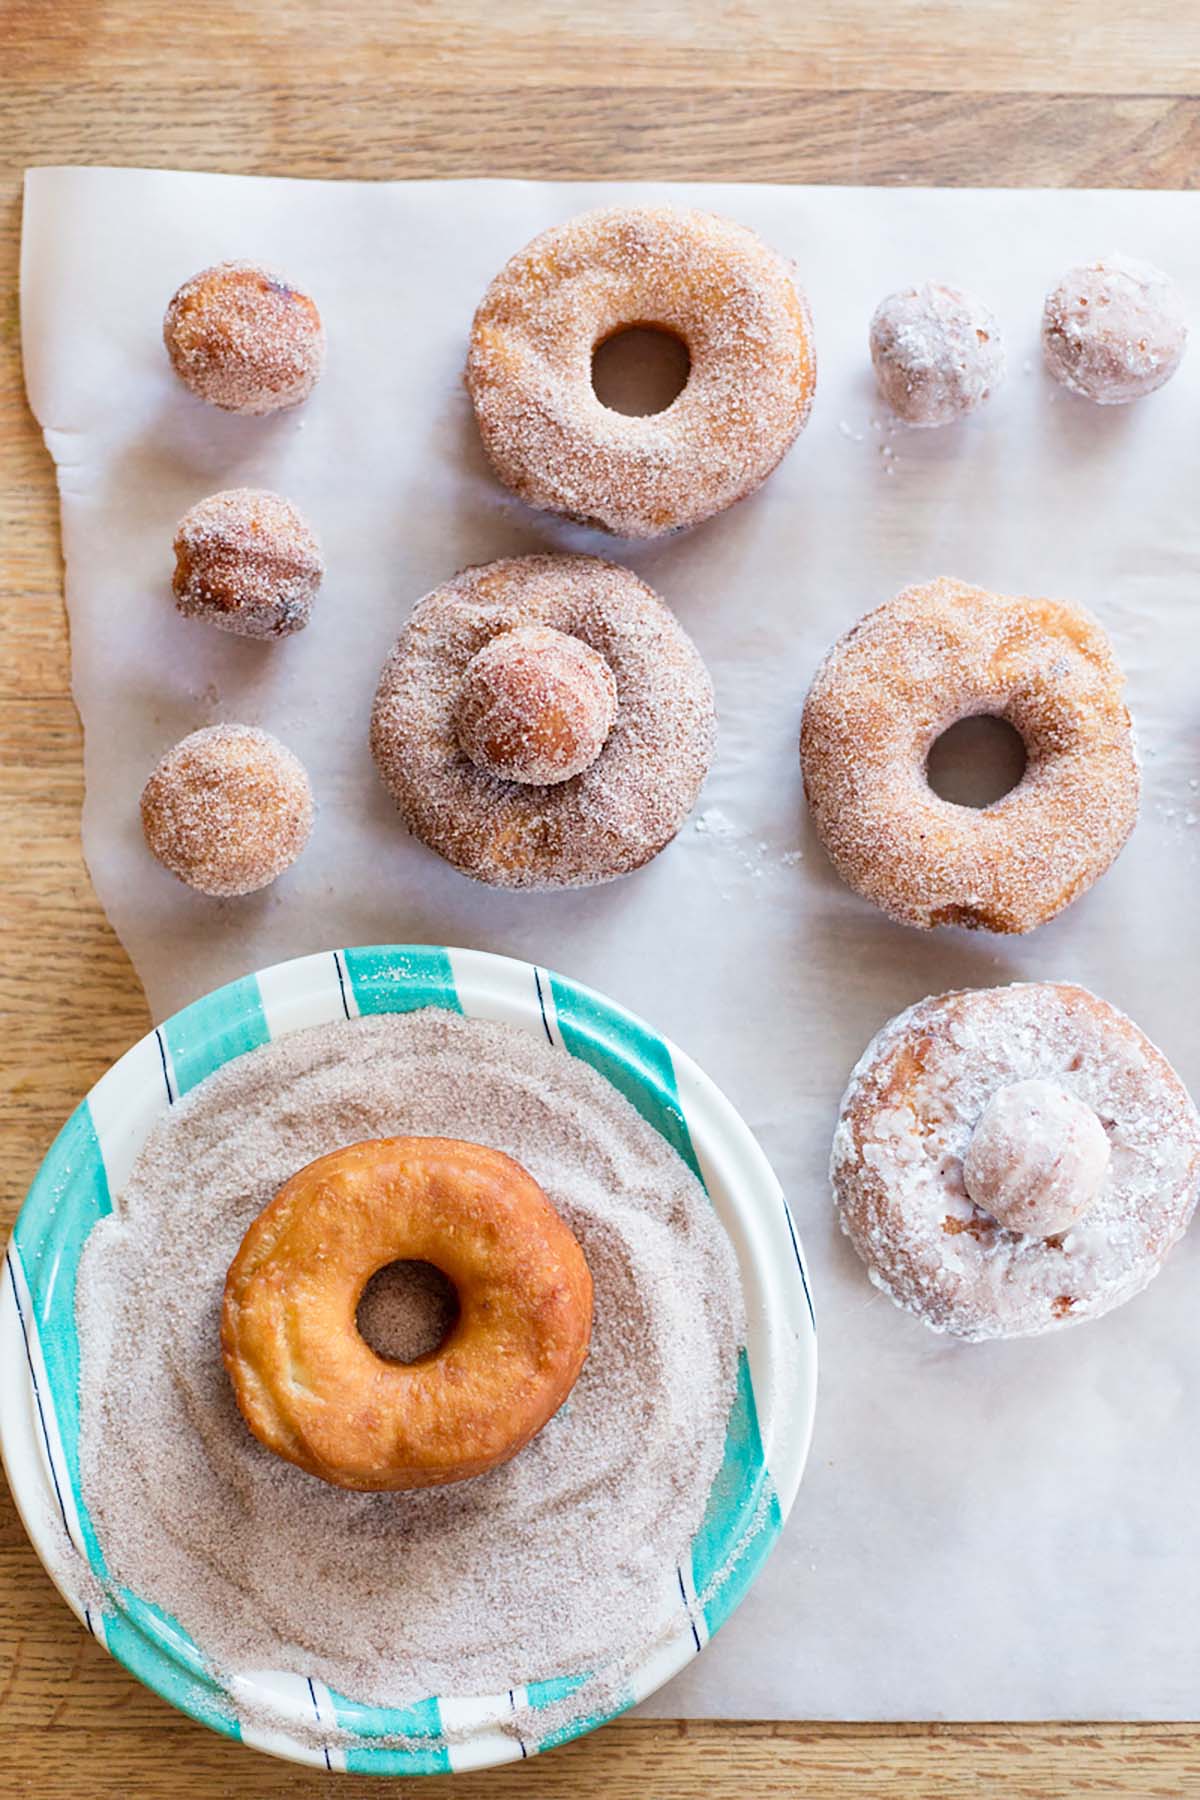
(1085, 93)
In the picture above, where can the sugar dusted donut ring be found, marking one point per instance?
(310, 1387)
(227, 809)
(544, 722)
(244, 339)
(1114, 330)
(975, 1120)
(937, 353)
(713, 284)
(897, 680)
(248, 562)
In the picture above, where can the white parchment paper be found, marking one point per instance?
(1000, 1531)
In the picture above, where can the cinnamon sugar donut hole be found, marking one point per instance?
(244, 339)
(248, 562)
(715, 285)
(937, 353)
(926, 1161)
(535, 705)
(901, 677)
(544, 722)
(1114, 330)
(227, 810)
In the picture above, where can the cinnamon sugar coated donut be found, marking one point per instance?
(620, 809)
(895, 682)
(309, 1386)
(248, 562)
(937, 353)
(244, 339)
(907, 1141)
(227, 809)
(1114, 330)
(715, 285)
(535, 705)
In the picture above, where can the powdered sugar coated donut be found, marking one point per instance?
(1114, 330)
(907, 1124)
(620, 809)
(897, 680)
(712, 283)
(937, 353)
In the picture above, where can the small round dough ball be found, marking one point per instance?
(937, 353)
(248, 562)
(1114, 330)
(1037, 1159)
(536, 705)
(244, 339)
(228, 809)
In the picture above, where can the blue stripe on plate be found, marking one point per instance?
(391, 978)
(742, 1515)
(630, 1058)
(68, 1196)
(212, 1031)
(422, 1723)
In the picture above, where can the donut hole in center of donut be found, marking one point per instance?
(406, 1311)
(639, 370)
(976, 761)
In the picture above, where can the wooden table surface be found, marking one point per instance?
(1012, 92)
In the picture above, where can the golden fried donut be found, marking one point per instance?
(895, 682)
(544, 722)
(715, 285)
(309, 1386)
(1011, 1160)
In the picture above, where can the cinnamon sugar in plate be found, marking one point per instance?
(549, 1565)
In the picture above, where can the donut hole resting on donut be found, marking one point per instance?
(976, 761)
(536, 705)
(407, 1310)
(640, 370)
(463, 691)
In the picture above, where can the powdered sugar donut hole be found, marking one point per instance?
(1114, 330)
(1037, 1158)
(937, 352)
(228, 809)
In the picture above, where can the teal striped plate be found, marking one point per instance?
(769, 1427)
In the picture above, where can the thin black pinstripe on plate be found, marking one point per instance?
(787, 1213)
(512, 1698)
(162, 1051)
(37, 1393)
(312, 1692)
(337, 963)
(537, 976)
(688, 1605)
